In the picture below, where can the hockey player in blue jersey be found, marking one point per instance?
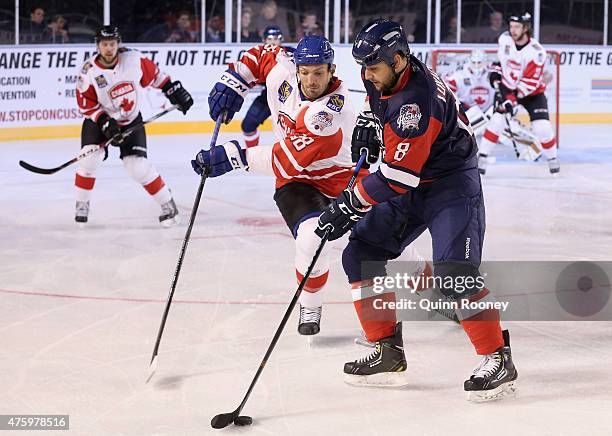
(428, 179)
(259, 111)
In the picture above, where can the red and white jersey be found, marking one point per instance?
(314, 137)
(118, 91)
(522, 70)
(471, 89)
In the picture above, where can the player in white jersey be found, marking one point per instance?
(312, 122)
(470, 83)
(110, 92)
(520, 80)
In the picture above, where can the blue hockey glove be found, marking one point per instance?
(220, 159)
(341, 216)
(227, 95)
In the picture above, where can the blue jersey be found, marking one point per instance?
(426, 135)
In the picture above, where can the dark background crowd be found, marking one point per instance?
(180, 21)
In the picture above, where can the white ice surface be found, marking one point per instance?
(80, 309)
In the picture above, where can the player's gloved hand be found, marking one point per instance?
(366, 137)
(494, 78)
(508, 105)
(227, 95)
(220, 159)
(342, 214)
(178, 96)
(110, 129)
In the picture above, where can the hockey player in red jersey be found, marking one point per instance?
(311, 159)
(428, 179)
(520, 80)
(110, 91)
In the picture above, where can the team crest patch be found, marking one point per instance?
(86, 67)
(336, 102)
(322, 120)
(284, 91)
(101, 81)
(507, 49)
(409, 117)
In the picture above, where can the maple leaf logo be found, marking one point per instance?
(126, 105)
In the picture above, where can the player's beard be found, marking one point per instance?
(112, 60)
(395, 76)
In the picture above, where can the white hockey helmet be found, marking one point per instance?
(477, 62)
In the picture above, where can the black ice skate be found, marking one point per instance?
(554, 166)
(310, 320)
(81, 212)
(169, 214)
(495, 377)
(384, 367)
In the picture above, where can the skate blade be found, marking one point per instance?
(505, 390)
(171, 222)
(81, 225)
(384, 379)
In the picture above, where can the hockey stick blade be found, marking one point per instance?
(152, 369)
(129, 131)
(38, 170)
(222, 420)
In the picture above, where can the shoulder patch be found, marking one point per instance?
(409, 117)
(284, 91)
(86, 67)
(335, 102)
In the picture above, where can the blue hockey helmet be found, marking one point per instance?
(313, 50)
(272, 32)
(379, 41)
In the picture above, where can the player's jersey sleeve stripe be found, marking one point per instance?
(401, 177)
(256, 63)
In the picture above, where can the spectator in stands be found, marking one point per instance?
(182, 30)
(32, 32)
(269, 17)
(55, 32)
(309, 26)
(496, 23)
(451, 33)
(214, 29)
(247, 34)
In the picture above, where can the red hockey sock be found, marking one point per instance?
(84, 182)
(483, 327)
(377, 322)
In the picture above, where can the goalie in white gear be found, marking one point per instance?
(519, 80)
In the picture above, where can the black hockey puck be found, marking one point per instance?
(243, 420)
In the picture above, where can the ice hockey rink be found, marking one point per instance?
(81, 307)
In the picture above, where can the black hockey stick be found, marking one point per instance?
(91, 151)
(511, 135)
(196, 203)
(224, 419)
(508, 124)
